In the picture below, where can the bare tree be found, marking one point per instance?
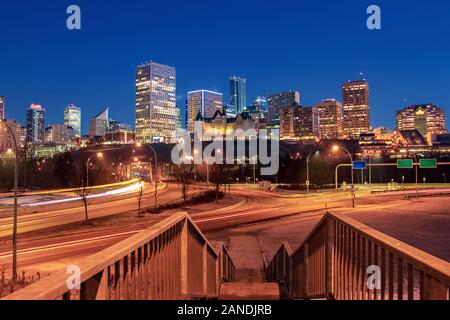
(217, 175)
(185, 179)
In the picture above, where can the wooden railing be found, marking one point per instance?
(333, 261)
(170, 260)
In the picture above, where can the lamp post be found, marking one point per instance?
(156, 171)
(99, 155)
(16, 177)
(307, 170)
(336, 148)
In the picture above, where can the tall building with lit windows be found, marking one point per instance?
(428, 119)
(355, 98)
(330, 119)
(204, 102)
(2, 107)
(156, 115)
(238, 94)
(72, 118)
(35, 123)
(281, 100)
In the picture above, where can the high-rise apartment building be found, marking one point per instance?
(260, 104)
(290, 122)
(2, 107)
(238, 94)
(308, 123)
(72, 118)
(156, 113)
(281, 100)
(59, 133)
(35, 123)
(330, 119)
(428, 119)
(7, 141)
(355, 98)
(204, 102)
(99, 124)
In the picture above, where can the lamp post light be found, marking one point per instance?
(335, 149)
(99, 155)
(308, 182)
(16, 180)
(156, 170)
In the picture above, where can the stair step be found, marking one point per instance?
(249, 291)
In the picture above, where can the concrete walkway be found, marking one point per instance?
(247, 257)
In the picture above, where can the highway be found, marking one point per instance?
(47, 252)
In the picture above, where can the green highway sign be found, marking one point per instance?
(405, 164)
(428, 163)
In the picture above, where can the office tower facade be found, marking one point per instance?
(59, 133)
(238, 94)
(204, 102)
(289, 122)
(2, 107)
(179, 121)
(35, 123)
(308, 123)
(428, 119)
(281, 100)
(115, 125)
(99, 124)
(72, 118)
(355, 98)
(7, 141)
(260, 104)
(330, 119)
(155, 103)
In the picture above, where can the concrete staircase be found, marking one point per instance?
(249, 283)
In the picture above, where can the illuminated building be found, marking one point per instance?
(156, 114)
(238, 94)
(329, 113)
(99, 124)
(72, 118)
(290, 122)
(355, 98)
(308, 122)
(281, 100)
(121, 136)
(59, 133)
(220, 126)
(260, 104)
(6, 141)
(35, 123)
(205, 102)
(426, 118)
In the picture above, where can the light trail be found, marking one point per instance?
(124, 190)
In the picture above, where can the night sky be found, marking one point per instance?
(310, 46)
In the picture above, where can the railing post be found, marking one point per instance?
(433, 289)
(329, 258)
(205, 269)
(184, 258)
(305, 272)
(96, 288)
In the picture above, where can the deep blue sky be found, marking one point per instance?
(311, 46)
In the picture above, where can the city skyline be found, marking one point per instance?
(392, 76)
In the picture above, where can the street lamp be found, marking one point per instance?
(335, 149)
(16, 179)
(99, 155)
(156, 170)
(307, 170)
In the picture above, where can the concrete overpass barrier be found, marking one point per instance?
(346, 260)
(170, 260)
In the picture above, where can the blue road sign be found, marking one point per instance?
(361, 165)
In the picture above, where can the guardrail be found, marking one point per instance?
(427, 195)
(333, 261)
(170, 260)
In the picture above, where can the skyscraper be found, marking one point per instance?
(204, 102)
(355, 97)
(35, 123)
(260, 104)
(2, 108)
(155, 103)
(72, 118)
(99, 124)
(238, 91)
(425, 118)
(6, 141)
(330, 118)
(281, 100)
